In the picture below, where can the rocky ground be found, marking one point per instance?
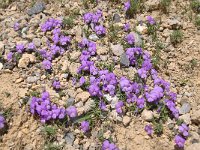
(177, 63)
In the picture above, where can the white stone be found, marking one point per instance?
(126, 120)
(26, 60)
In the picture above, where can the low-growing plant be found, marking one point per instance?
(164, 5)
(49, 132)
(5, 3)
(69, 21)
(195, 5)
(51, 146)
(156, 54)
(135, 6)
(197, 21)
(176, 37)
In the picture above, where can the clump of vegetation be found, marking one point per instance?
(132, 7)
(195, 5)
(197, 22)
(164, 5)
(69, 21)
(5, 3)
(176, 37)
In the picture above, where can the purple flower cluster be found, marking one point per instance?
(85, 126)
(130, 39)
(183, 129)
(50, 24)
(56, 84)
(16, 26)
(109, 146)
(155, 95)
(179, 140)
(92, 17)
(132, 54)
(119, 106)
(183, 134)
(151, 20)
(127, 27)
(148, 129)
(127, 5)
(94, 20)
(2, 121)
(46, 110)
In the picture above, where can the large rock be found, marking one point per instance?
(117, 50)
(101, 50)
(26, 60)
(152, 5)
(116, 18)
(83, 96)
(37, 8)
(147, 115)
(196, 116)
(1, 46)
(73, 68)
(138, 39)
(195, 146)
(33, 79)
(126, 120)
(142, 29)
(186, 118)
(185, 108)
(124, 61)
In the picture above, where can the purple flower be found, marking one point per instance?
(46, 64)
(87, 17)
(64, 40)
(140, 102)
(119, 106)
(108, 146)
(130, 39)
(71, 111)
(179, 140)
(50, 24)
(94, 90)
(2, 121)
(100, 30)
(85, 126)
(16, 26)
(155, 95)
(56, 38)
(31, 46)
(20, 48)
(183, 129)
(142, 73)
(148, 129)
(56, 84)
(127, 27)
(9, 56)
(102, 105)
(82, 81)
(151, 20)
(127, 5)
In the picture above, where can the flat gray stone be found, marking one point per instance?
(69, 138)
(185, 108)
(37, 8)
(32, 79)
(124, 61)
(93, 37)
(117, 50)
(116, 18)
(70, 101)
(138, 39)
